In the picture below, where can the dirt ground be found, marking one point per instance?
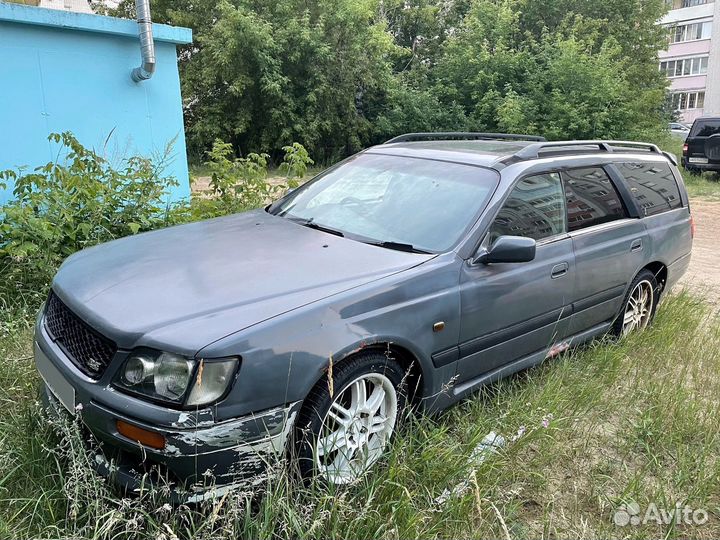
(704, 272)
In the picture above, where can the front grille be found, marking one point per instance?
(88, 350)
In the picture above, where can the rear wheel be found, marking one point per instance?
(639, 306)
(342, 433)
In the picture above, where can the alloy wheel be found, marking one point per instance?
(638, 309)
(356, 428)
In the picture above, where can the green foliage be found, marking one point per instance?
(561, 73)
(77, 201)
(295, 163)
(244, 178)
(238, 184)
(343, 74)
(263, 74)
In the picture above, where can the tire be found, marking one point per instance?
(339, 445)
(623, 326)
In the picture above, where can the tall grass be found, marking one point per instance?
(614, 423)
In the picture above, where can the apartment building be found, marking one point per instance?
(692, 59)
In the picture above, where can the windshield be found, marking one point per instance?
(417, 203)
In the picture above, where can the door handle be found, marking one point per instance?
(559, 270)
(636, 245)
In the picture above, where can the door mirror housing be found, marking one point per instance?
(507, 249)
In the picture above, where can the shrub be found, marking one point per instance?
(295, 164)
(75, 202)
(238, 184)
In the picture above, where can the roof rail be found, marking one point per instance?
(532, 151)
(461, 135)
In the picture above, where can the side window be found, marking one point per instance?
(653, 186)
(535, 209)
(591, 198)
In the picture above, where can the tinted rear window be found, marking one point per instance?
(653, 186)
(591, 198)
(705, 128)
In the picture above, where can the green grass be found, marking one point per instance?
(634, 421)
(702, 186)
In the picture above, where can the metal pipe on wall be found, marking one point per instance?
(147, 44)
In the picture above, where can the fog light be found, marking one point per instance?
(138, 434)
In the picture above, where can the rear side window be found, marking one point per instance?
(652, 185)
(591, 198)
(535, 209)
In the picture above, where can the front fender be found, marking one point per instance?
(283, 358)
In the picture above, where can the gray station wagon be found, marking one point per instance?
(413, 272)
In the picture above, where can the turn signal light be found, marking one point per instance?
(138, 434)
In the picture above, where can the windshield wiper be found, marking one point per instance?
(387, 244)
(399, 246)
(312, 225)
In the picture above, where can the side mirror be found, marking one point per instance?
(507, 249)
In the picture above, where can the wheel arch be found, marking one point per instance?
(659, 270)
(410, 361)
(411, 365)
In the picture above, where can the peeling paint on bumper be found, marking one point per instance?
(196, 464)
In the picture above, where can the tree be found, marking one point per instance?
(262, 74)
(529, 66)
(338, 75)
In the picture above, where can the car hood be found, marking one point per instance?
(190, 285)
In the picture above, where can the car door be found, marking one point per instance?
(608, 245)
(511, 310)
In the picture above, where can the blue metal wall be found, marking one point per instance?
(62, 71)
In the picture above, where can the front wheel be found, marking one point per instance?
(345, 427)
(640, 304)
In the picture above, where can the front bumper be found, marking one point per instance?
(202, 458)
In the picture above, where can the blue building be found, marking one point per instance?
(64, 71)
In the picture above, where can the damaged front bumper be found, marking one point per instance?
(201, 458)
(196, 464)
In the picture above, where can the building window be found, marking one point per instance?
(690, 32)
(685, 66)
(682, 101)
(677, 4)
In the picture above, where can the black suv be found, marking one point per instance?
(701, 151)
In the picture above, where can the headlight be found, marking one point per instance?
(173, 378)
